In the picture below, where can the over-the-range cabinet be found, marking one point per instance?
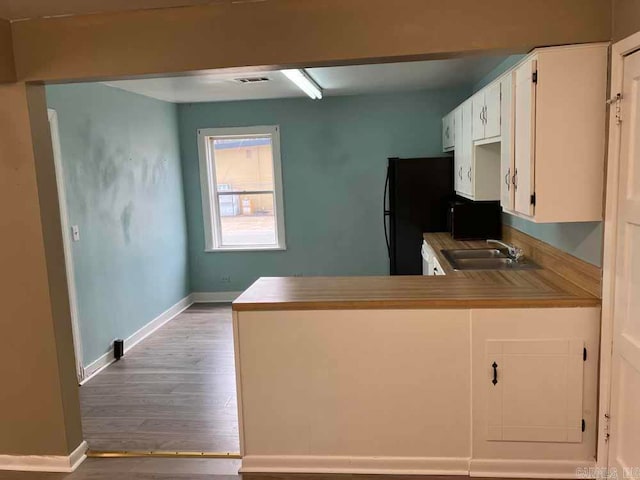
(534, 138)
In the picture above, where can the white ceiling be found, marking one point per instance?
(349, 80)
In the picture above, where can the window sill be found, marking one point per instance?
(245, 249)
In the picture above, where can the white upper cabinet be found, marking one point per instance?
(506, 143)
(448, 134)
(492, 110)
(559, 151)
(524, 136)
(477, 108)
(465, 151)
(457, 123)
(546, 117)
(486, 112)
(477, 163)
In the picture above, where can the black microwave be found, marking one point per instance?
(469, 220)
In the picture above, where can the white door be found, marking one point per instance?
(625, 395)
(478, 111)
(524, 136)
(492, 110)
(506, 144)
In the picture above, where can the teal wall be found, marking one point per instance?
(124, 190)
(583, 240)
(502, 67)
(334, 154)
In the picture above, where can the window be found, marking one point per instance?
(241, 183)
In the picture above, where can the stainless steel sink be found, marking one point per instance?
(474, 253)
(485, 259)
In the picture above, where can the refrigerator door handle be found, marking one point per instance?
(386, 213)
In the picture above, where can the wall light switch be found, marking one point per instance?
(75, 233)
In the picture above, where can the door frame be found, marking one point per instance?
(619, 51)
(66, 241)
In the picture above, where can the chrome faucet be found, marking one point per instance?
(515, 253)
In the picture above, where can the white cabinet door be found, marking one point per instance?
(458, 155)
(524, 136)
(447, 132)
(478, 112)
(467, 148)
(506, 143)
(492, 110)
(535, 390)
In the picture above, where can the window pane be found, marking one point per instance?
(243, 163)
(247, 220)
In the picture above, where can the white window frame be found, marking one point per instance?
(208, 183)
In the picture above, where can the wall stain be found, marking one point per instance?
(116, 177)
(125, 220)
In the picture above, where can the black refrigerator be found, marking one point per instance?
(416, 196)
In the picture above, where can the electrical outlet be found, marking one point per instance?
(225, 279)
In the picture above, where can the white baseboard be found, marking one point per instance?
(498, 468)
(107, 359)
(45, 463)
(354, 465)
(214, 297)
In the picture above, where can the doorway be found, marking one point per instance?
(174, 390)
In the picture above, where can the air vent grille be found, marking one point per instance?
(252, 80)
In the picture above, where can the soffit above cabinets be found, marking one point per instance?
(224, 86)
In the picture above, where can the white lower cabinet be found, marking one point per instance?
(533, 386)
(412, 391)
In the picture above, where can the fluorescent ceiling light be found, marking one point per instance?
(304, 82)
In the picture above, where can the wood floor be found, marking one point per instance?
(175, 391)
(190, 469)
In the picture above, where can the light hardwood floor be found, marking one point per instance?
(192, 469)
(189, 468)
(175, 391)
(140, 469)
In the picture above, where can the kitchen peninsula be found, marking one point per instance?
(483, 373)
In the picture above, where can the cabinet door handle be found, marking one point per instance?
(446, 132)
(469, 173)
(507, 177)
(515, 179)
(460, 173)
(484, 109)
(495, 373)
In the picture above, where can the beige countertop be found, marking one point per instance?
(479, 289)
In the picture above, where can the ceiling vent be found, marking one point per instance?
(252, 80)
